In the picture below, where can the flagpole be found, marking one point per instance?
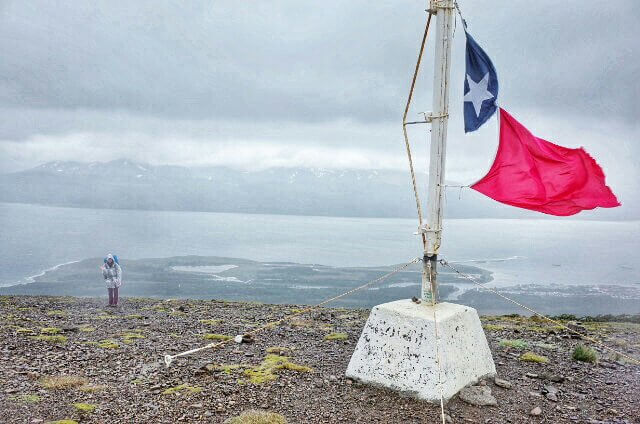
(444, 11)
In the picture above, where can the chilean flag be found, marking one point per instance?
(529, 172)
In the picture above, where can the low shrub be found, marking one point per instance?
(584, 354)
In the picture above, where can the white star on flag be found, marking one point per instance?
(478, 92)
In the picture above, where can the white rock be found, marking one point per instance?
(397, 349)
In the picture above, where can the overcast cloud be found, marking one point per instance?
(293, 83)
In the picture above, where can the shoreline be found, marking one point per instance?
(235, 279)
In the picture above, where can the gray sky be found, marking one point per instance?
(294, 83)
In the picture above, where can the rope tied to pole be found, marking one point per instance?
(405, 123)
(168, 359)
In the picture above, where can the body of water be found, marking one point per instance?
(566, 251)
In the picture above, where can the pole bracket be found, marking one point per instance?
(424, 230)
(438, 4)
(429, 116)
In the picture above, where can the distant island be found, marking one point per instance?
(234, 279)
(124, 184)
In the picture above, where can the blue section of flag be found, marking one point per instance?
(480, 87)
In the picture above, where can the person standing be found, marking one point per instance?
(112, 274)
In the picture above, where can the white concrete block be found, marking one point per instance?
(397, 349)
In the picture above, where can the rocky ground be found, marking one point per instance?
(75, 359)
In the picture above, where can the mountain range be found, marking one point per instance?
(124, 184)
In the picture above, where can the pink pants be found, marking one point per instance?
(113, 296)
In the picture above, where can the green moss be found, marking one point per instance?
(494, 327)
(21, 330)
(134, 316)
(129, 337)
(62, 422)
(515, 344)
(182, 388)
(279, 350)
(210, 336)
(87, 329)
(266, 371)
(584, 354)
(257, 417)
(107, 316)
(51, 339)
(210, 321)
(56, 313)
(532, 357)
(336, 336)
(84, 408)
(108, 344)
(50, 330)
(25, 398)
(226, 368)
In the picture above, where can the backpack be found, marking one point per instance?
(115, 259)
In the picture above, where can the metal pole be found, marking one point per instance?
(444, 10)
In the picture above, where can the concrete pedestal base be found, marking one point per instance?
(397, 349)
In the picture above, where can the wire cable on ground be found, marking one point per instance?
(168, 359)
(558, 323)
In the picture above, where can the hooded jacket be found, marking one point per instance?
(112, 273)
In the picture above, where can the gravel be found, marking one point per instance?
(128, 383)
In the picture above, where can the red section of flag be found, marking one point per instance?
(532, 173)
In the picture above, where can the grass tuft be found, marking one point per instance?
(50, 330)
(515, 344)
(494, 327)
(130, 336)
(62, 422)
(182, 388)
(257, 417)
(226, 368)
(25, 398)
(84, 408)
(210, 321)
(336, 336)
(532, 357)
(56, 313)
(210, 336)
(51, 339)
(63, 382)
(584, 354)
(279, 350)
(108, 344)
(91, 388)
